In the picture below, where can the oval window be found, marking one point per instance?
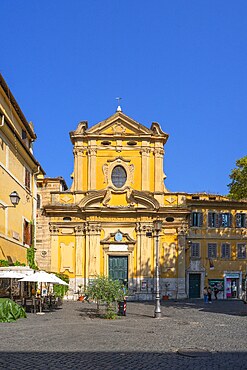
(118, 176)
(169, 219)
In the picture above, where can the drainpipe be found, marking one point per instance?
(34, 207)
(2, 121)
(38, 171)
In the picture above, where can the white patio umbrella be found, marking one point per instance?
(11, 275)
(58, 280)
(40, 277)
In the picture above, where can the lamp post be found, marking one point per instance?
(157, 228)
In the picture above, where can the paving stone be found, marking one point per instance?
(190, 335)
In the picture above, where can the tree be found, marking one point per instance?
(106, 291)
(238, 186)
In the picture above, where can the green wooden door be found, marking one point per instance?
(118, 268)
(194, 285)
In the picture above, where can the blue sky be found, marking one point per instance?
(180, 63)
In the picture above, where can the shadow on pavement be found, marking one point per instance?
(226, 307)
(180, 359)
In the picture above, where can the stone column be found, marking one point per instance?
(145, 153)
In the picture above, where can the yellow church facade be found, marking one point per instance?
(104, 224)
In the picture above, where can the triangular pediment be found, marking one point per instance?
(119, 124)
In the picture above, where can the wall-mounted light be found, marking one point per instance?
(189, 244)
(14, 198)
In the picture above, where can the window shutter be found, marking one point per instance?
(230, 220)
(27, 179)
(31, 233)
(237, 220)
(25, 232)
(200, 215)
(191, 219)
(228, 253)
(197, 250)
(217, 220)
(28, 234)
(210, 219)
(245, 220)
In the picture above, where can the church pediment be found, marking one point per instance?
(118, 237)
(120, 124)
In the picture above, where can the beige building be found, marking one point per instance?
(17, 177)
(104, 224)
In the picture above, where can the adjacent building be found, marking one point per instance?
(18, 171)
(104, 224)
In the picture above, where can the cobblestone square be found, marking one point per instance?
(190, 335)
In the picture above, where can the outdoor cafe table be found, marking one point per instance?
(10, 311)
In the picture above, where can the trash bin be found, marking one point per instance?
(122, 307)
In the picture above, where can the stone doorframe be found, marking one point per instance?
(195, 267)
(125, 253)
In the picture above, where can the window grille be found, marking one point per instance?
(118, 176)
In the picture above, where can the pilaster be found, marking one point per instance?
(92, 168)
(158, 172)
(145, 153)
(92, 249)
(181, 273)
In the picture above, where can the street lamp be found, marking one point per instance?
(14, 198)
(157, 228)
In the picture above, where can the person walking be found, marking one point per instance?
(209, 295)
(205, 294)
(216, 291)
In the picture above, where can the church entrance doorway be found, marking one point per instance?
(118, 268)
(194, 285)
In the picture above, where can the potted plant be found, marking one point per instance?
(166, 295)
(80, 295)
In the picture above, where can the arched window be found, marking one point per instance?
(118, 176)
